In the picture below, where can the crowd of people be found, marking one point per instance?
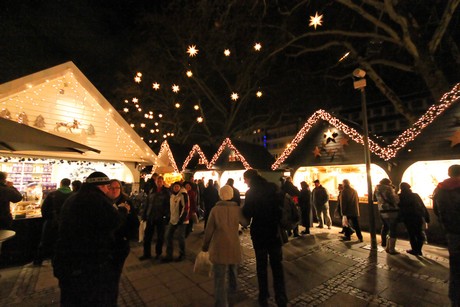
(88, 227)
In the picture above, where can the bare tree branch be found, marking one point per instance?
(441, 29)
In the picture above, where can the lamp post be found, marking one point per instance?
(359, 83)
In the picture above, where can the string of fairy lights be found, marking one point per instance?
(165, 149)
(228, 143)
(193, 51)
(387, 152)
(195, 149)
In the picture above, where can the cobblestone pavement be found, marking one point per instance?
(320, 270)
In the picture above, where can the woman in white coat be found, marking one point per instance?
(222, 241)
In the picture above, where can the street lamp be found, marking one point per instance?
(359, 83)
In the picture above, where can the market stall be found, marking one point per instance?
(77, 132)
(233, 158)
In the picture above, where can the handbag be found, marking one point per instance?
(282, 235)
(203, 265)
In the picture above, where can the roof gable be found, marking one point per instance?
(384, 152)
(250, 155)
(196, 151)
(62, 101)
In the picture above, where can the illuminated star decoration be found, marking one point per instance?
(192, 51)
(259, 94)
(257, 47)
(344, 141)
(135, 100)
(175, 88)
(330, 136)
(454, 139)
(227, 52)
(235, 96)
(316, 20)
(317, 152)
(189, 73)
(138, 77)
(156, 86)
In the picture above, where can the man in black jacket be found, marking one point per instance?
(263, 205)
(51, 208)
(8, 194)
(84, 256)
(446, 205)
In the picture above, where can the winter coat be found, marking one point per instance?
(412, 208)
(319, 197)
(221, 234)
(387, 201)
(157, 208)
(52, 204)
(210, 197)
(349, 202)
(446, 204)
(263, 203)
(7, 195)
(179, 207)
(85, 245)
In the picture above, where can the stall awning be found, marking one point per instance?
(16, 137)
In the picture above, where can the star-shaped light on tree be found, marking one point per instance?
(235, 96)
(177, 105)
(138, 77)
(227, 52)
(257, 47)
(156, 86)
(135, 100)
(259, 94)
(189, 73)
(199, 119)
(175, 88)
(192, 51)
(454, 139)
(316, 20)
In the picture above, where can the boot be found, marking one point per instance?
(390, 249)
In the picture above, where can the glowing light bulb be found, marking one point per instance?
(227, 52)
(189, 73)
(257, 46)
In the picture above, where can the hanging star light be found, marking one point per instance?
(196, 107)
(227, 52)
(316, 20)
(135, 100)
(189, 73)
(175, 88)
(177, 105)
(259, 94)
(199, 119)
(192, 51)
(257, 46)
(156, 86)
(126, 110)
(235, 96)
(138, 77)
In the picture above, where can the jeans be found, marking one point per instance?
(389, 227)
(221, 290)
(323, 211)
(148, 234)
(453, 245)
(275, 254)
(180, 237)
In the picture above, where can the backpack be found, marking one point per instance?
(290, 213)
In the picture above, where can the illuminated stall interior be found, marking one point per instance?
(424, 176)
(63, 102)
(237, 176)
(331, 176)
(206, 175)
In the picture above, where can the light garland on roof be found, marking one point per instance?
(387, 152)
(195, 149)
(165, 148)
(228, 143)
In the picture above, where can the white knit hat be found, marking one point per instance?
(226, 192)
